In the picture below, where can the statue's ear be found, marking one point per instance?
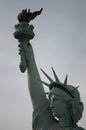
(76, 111)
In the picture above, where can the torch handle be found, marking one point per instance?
(23, 64)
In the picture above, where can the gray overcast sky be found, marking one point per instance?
(60, 42)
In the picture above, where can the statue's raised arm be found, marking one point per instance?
(63, 108)
(24, 33)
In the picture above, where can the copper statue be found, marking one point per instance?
(62, 108)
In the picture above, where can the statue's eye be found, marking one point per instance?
(49, 95)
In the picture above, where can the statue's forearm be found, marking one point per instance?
(35, 87)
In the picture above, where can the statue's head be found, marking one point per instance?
(64, 99)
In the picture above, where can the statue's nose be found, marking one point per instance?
(51, 103)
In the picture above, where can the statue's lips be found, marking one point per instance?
(53, 109)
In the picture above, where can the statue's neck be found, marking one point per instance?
(66, 121)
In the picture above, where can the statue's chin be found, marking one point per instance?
(54, 114)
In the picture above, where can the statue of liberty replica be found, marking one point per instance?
(61, 108)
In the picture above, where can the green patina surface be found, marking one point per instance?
(63, 101)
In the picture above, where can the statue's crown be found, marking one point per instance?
(58, 84)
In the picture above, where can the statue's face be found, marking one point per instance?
(57, 104)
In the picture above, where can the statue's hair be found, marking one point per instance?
(76, 107)
(74, 104)
(72, 97)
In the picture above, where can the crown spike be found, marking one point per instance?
(45, 83)
(72, 91)
(55, 75)
(47, 76)
(65, 81)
